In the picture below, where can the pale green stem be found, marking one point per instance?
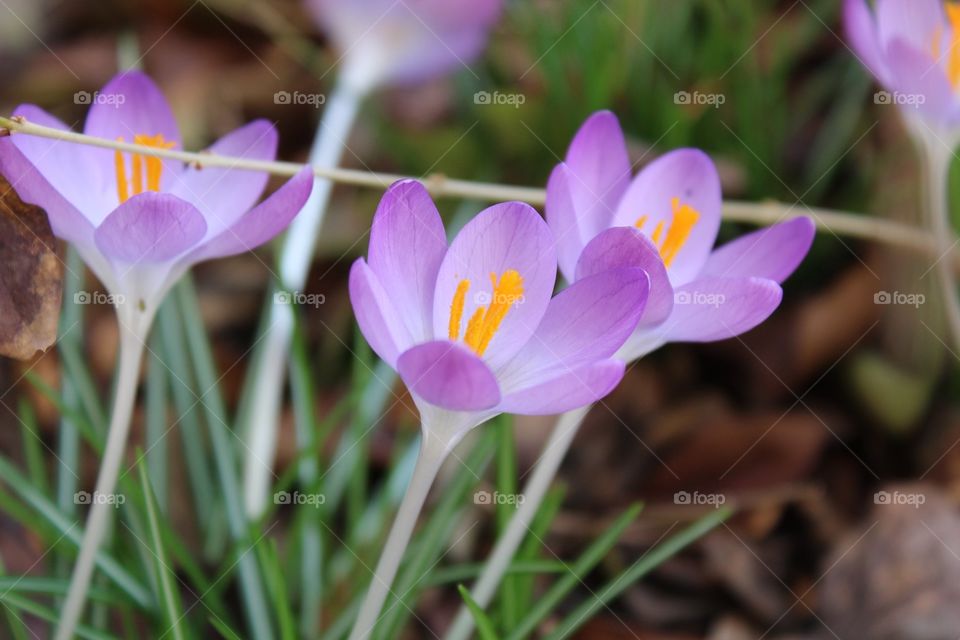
(434, 449)
(533, 493)
(296, 256)
(132, 335)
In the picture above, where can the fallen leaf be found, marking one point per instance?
(31, 280)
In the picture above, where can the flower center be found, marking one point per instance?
(143, 168)
(485, 321)
(952, 61)
(682, 223)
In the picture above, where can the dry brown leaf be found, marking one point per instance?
(31, 280)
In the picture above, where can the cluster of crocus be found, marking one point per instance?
(140, 222)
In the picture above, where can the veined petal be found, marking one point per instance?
(567, 391)
(66, 166)
(407, 245)
(448, 375)
(599, 171)
(710, 309)
(150, 228)
(565, 220)
(505, 237)
(129, 105)
(586, 322)
(262, 223)
(863, 35)
(685, 177)
(620, 247)
(773, 252)
(223, 195)
(376, 314)
(66, 220)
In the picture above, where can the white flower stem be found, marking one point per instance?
(295, 259)
(937, 168)
(533, 493)
(132, 337)
(434, 449)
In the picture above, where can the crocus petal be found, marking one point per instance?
(914, 21)
(447, 375)
(407, 245)
(262, 223)
(565, 221)
(66, 220)
(773, 252)
(221, 194)
(862, 34)
(376, 314)
(66, 166)
(573, 389)
(586, 322)
(129, 105)
(599, 171)
(507, 236)
(710, 309)
(690, 176)
(150, 228)
(919, 79)
(620, 247)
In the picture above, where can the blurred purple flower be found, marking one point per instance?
(474, 328)
(405, 41)
(665, 221)
(912, 47)
(140, 222)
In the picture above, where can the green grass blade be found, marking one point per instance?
(484, 624)
(156, 424)
(584, 564)
(26, 605)
(569, 625)
(223, 629)
(170, 597)
(251, 579)
(72, 530)
(33, 447)
(505, 509)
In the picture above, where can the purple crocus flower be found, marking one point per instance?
(912, 47)
(474, 329)
(673, 207)
(140, 222)
(405, 41)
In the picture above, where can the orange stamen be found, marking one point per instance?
(684, 219)
(456, 309)
(485, 321)
(143, 168)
